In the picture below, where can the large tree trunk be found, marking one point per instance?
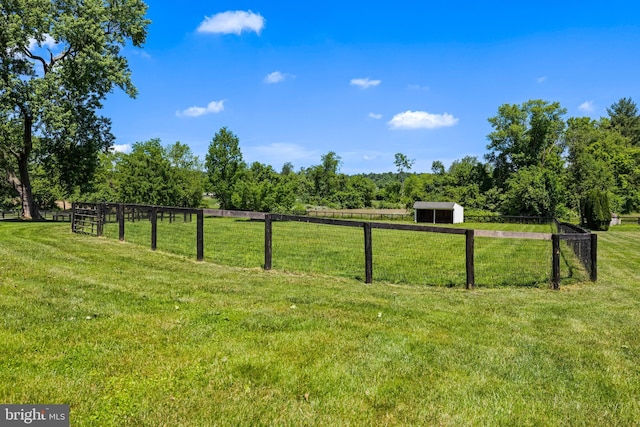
(22, 183)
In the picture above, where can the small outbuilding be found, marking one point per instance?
(438, 212)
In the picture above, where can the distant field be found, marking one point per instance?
(399, 256)
(129, 337)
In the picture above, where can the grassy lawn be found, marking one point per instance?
(398, 256)
(130, 337)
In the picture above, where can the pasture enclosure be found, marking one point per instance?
(129, 337)
(390, 252)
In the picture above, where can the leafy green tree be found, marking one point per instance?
(287, 168)
(59, 60)
(364, 187)
(224, 165)
(528, 138)
(525, 135)
(437, 167)
(625, 119)
(403, 165)
(106, 184)
(146, 176)
(323, 180)
(260, 188)
(187, 170)
(8, 196)
(591, 150)
(533, 190)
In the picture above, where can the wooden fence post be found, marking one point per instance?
(471, 273)
(98, 219)
(368, 253)
(73, 217)
(555, 262)
(268, 242)
(594, 257)
(154, 228)
(200, 235)
(121, 222)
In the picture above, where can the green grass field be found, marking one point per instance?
(129, 337)
(398, 256)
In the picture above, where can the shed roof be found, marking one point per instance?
(435, 205)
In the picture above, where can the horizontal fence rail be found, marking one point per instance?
(509, 219)
(360, 215)
(92, 216)
(53, 215)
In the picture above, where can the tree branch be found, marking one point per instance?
(30, 55)
(61, 57)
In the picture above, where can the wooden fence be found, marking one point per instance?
(86, 218)
(360, 215)
(124, 212)
(54, 215)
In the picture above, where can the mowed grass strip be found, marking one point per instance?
(129, 337)
(398, 256)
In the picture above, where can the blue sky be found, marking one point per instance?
(295, 80)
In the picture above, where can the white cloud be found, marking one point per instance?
(418, 87)
(365, 83)
(121, 148)
(277, 77)
(421, 120)
(212, 107)
(375, 116)
(587, 107)
(232, 22)
(541, 79)
(48, 42)
(369, 158)
(274, 77)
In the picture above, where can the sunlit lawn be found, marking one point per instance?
(130, 337)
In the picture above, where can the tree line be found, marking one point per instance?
(538, 163)
(59, 59)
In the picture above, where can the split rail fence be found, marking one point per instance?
(92, 216)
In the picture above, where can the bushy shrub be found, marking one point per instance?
(596, 210)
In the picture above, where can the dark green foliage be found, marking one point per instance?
(596, 210)
(260, 188)
(525, 135)
(532, 191)
(224, 165)
(150, 174)
(49, 101)
(625, 119)
(145, 176)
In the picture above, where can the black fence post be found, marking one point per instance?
(555, 269)
(154, 228)
(98, 219)
(200, 235)
(471, 273)
(121, 222)
(73, 217)
(268, 242)
(368, 253)
(594, 257)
